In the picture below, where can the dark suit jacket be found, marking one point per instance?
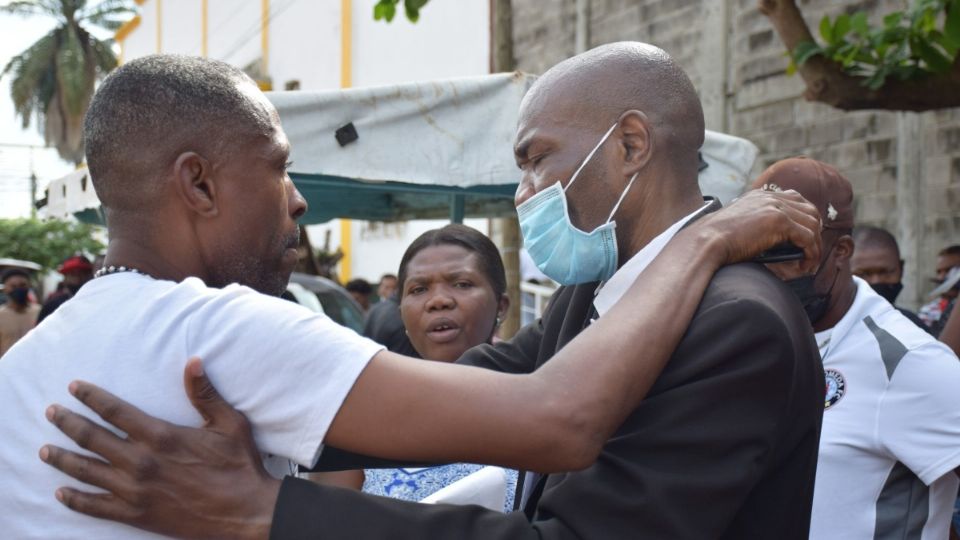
(724, 445)
(384, 325)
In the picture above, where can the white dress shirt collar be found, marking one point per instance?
(613, 289)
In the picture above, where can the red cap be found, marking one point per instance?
(77, 263)
(818, 182)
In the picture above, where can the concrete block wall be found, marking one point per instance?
(738, 64)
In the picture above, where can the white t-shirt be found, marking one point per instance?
(286, 368)
(891, 428)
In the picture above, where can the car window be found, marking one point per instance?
(341, 310)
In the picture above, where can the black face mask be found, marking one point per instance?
(889, 291)
(73, 288)
(814, 304)
(19, 295)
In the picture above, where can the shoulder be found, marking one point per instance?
(749, 288)
(911, 354)
(894, 323)
(746, 311)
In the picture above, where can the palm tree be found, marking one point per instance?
(54, 78)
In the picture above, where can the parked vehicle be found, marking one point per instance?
(334, 299)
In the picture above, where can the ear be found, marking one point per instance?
(901, 266)
(843, 249)
(503, 306)
(637, 139)
(193, 177)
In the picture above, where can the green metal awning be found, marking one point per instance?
(331, 197)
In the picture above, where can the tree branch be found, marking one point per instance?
(828, 83)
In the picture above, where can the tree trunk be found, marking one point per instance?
(505, 232)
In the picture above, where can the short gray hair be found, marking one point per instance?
(152, 109)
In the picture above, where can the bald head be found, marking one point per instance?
(867, 237)
(152, 109)
(594, 88)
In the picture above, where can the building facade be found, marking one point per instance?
(905, 168)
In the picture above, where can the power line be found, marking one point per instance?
(249, 34)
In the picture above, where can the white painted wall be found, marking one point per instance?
(305, 44)
(452, 39)
(233, 29)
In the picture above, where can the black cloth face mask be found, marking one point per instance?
(814, 304)
(889, 291)
(19, 295)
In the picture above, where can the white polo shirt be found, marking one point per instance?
(891, 428)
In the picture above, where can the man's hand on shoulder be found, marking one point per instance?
(758, 221)
(186, 482)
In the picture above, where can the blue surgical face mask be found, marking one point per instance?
(560, 250)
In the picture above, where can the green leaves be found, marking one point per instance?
(61, 67)
(29, 69)
(387, 9)
(48, 242)
(908, 44)
(72, 73)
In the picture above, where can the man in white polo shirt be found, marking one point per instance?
(891, 427)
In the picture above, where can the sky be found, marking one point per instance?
(16, 161)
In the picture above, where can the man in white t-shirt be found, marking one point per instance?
(190, 162)
(890, 440)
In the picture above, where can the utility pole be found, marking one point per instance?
(505, 232)
(33, 187)
(33, 194)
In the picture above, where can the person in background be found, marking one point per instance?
(387, 286)
(18, 315)
(936, 312)
(76, 271)
(360, 289)
(452, 298)
(384, 325)
(891, 425)
(876, 260)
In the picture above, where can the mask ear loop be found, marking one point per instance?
(622, 196)
(590, 155)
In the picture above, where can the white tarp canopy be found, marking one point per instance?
(417, 150)
(456, 132)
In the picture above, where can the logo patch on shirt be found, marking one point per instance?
(836, 387)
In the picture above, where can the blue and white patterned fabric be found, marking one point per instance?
(414, 484)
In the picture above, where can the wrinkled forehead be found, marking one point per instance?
(552, 112)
